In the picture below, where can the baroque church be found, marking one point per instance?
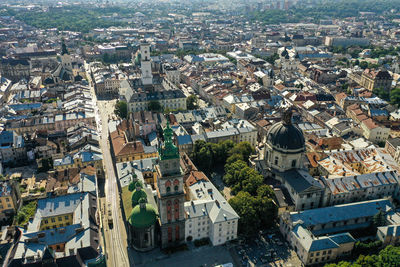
(283, 163)
(67, 70)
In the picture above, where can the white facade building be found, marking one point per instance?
(208, 214)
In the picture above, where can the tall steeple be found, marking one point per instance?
(170, 192)
(64, 50)
(147, 75)
(168, 150)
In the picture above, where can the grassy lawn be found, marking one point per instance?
(26, 211)
(126, 201)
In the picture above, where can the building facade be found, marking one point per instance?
(170, 193)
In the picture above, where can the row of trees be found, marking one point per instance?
(211, 156)
(390, 256)
(253, 200)
(324, 10)
(73, 18)
(393, 96)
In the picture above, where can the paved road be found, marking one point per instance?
(117, 235)
(115, 238)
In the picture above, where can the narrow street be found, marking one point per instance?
(115, 238)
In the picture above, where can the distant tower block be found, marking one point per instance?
(147, 76)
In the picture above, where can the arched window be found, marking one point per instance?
(168, 186)
(176, 209)
(169, 210)
(276, 160)
(293, 163)
(176, 182)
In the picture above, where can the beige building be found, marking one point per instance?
(372, 79)
(373, 131)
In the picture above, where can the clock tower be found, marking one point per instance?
(170, 193)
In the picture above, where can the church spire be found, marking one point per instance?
(168, 150)
(64, 50)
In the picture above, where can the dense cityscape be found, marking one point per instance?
(200, 133)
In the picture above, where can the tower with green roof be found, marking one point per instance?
(170, 192)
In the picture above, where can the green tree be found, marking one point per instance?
(379, 219)
(366, 248)
(382, 93)
(395, 96)
(191, 102)
(267, 211)
(121, 109)
(234, 158)
(155, 106)
(249, 181)
(265, 191)
(245, 205)
(363, 65)
(243, 148)
(26, 211)
(232, 172)
(389, 256)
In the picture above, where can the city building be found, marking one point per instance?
(64, 229)
(322, 235)
(375, 79)
(208, 214)
(170, 193)
(9, 198)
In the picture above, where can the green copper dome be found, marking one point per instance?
(137, 195)
(143, 216)
(168, 150)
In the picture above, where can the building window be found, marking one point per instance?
(293, 163)
(324, 252)
(176, 188)
(168, 189)
(53, 220)
(276, 160)
(66, 217)
(329, 251)
(59, 218)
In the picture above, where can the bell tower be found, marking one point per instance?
(170, 192)
(66, 61)
(147, 75)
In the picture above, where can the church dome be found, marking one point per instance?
(286, 137)
(143, 215)
(137, 195)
